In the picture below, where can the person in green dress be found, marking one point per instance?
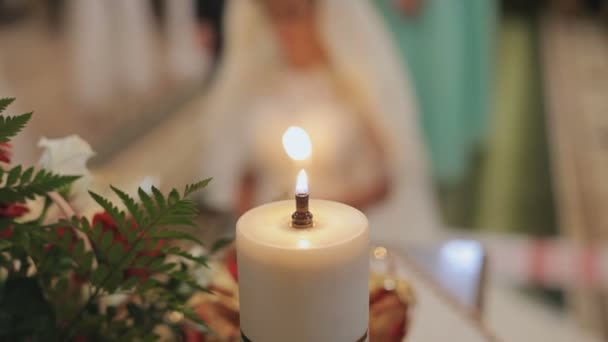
(448, 46)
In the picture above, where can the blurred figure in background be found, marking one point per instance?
(187, 61)
(449, 47)
(332, 70)
(210, 14)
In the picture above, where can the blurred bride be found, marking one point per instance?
(327, 66)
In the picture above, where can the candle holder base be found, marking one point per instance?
(302, 217)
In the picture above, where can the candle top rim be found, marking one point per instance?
(335, 223)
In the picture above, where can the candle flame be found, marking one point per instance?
(296, 143)
(302, 183)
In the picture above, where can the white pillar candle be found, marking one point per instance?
(306, 284)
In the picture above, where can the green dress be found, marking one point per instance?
(448, 48)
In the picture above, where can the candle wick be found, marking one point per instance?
(302, 217)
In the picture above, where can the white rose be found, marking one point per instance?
(68, 156)
(64, 156)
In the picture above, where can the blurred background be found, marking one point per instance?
(500, 109)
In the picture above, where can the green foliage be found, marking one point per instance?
(58, 274)
(20, 184)
(196, 186)
(151, 236)
(10, 126)
(26, 184)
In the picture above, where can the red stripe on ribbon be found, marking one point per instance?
(589, 266)
(537, 262)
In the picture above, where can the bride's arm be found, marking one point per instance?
(363, 198)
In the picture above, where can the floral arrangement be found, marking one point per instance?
(119, 273)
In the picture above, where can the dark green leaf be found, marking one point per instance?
(99, 274)
(5, 102)
(150, 283)
(175, 235)
(195, 318)
(113, 281)
(62, 285)
(132, 235)
(176, 221)
(78, 250)
(142, 261)
(163, 268)
(131, 205)
(11, 125)
(173, 197)
(146, 200)
(221, 244)
(160, 199)
(196, 186)
(170, 249)
(85, 226)
(43, 183)
(13, 176)
(202, 260)
(116, 252)
(87, 262)
(97, 231)
(129, 258)
(27, 175)
(130, 283)
(155, 264)
(66, 239)
(4, 244)
(106, 241)
(108, 207)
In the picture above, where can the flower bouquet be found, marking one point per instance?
(117, 272)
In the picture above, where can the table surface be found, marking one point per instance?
(456, 266)
(442, 289)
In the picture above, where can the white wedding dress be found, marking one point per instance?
(361, 93)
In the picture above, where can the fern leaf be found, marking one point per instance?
(202, 260)
(111, 209)
(175, 235)
(160, 199)
(78, 250)
(130, 283)
(221, 244)
(201, 326)
(106, 242)
(173, 197)
(142, 261)
(11, 125)
(87, 262)
(97, 232)
(19, 186)
(5, 102)
(115, 253)
(26, 176)
(13, 175)
(196, 186)
(99, 274)
(147, 202)
(84, 225)
(131, 206)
